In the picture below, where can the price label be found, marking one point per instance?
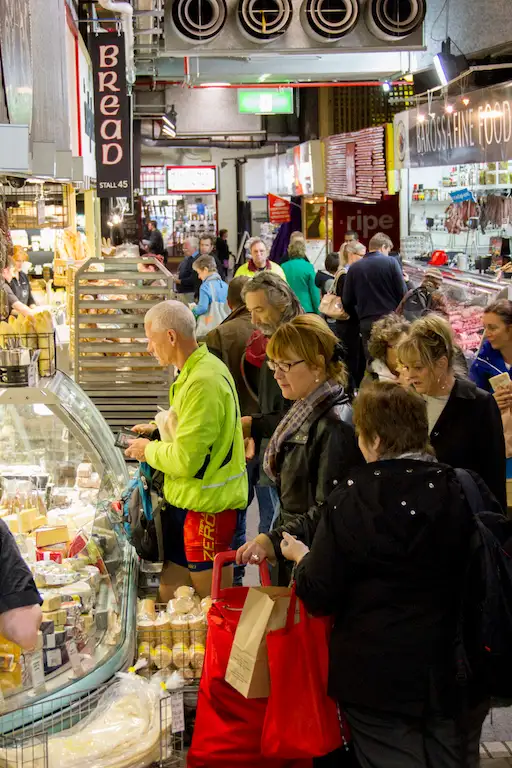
(74, 657)
(50, 640)
(177, 712)
(36, 665)
(54, 658)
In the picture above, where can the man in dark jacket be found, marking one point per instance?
(271, 303)
(206, 249)
(156, 242)
(228, 341)
(187, 282)
(374, 286)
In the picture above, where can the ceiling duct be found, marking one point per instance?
(329, 20)
(267, 27)
(199, 21)
(263, 21)
(394, 19)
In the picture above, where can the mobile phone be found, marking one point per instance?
(124, 438)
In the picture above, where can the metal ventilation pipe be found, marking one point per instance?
(200, 21)
(125, 10)
(263, 22)
(329, 22)
(394, 19)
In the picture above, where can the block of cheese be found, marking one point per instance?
(40, 521)
(22, 523)
(58, 617)
(51, 601)
(46, 537)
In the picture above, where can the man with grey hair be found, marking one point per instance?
(187, 282)
(271, 302)
(204, 465)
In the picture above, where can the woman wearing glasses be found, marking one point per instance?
(314, 445)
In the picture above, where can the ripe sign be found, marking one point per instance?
(111, 116)
(366, 220)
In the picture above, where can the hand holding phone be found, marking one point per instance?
(124, 438)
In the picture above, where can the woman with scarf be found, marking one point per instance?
(259, 261)
(314, 445)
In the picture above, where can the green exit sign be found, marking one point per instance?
(266, 101)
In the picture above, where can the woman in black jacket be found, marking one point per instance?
(387, 562)
(465, 424)
(314, 445)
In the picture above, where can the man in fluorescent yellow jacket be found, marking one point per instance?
(204, 465)
(259, 262)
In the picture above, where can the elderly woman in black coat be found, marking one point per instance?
(314, 445)
(387, 561)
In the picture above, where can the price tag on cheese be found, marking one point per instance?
(74, 657)
(177, 712)
(36, 665)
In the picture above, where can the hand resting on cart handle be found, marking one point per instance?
(256, 551)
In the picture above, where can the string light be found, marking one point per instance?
(449, 109)
(465, 101)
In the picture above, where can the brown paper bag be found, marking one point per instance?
(265, 609)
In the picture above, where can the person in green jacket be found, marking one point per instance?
(300, 275)
(204, 465)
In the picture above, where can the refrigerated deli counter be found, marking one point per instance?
(59, 474)
(467, 294)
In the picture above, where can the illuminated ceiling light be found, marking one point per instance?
(215, 85)
(448, 66)
(262, 78)
(449, 109)
(386, 87)
(421, 118)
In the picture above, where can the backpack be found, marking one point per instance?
(483, 646)
(415, 303)
(142, 503)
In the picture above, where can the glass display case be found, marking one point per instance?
(60, 473)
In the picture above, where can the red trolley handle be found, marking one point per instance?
(222, 559)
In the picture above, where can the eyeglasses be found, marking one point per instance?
(283, 367)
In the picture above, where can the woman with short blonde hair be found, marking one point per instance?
(464, 422)
(314, 445)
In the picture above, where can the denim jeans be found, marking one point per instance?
(268, 502)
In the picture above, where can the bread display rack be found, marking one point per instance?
(111, 361)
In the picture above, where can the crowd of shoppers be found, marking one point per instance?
(350, 436)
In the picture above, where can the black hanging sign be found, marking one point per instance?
(476, 128)
(111, 116)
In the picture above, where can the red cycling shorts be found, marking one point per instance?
(205, 535)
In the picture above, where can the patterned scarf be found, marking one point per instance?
(300, 411)
(253, 268)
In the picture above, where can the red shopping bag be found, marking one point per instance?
(302, 720)
(228, 727)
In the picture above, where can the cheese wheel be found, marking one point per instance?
(163, 630)
(184, 591)
(146, 630)
(197, 652)
(146, 609)
(179, 626)
(197, 627)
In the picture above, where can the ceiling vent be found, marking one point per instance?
(394, 19)
(269, 27)
(263, 21)
(327, 21)
(199, 21)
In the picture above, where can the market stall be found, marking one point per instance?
(454, 157)
(182, 200)
(59, 474)
(360, 186)
(305, 164)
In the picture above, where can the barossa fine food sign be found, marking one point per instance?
(468, 128)
(111, 116)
